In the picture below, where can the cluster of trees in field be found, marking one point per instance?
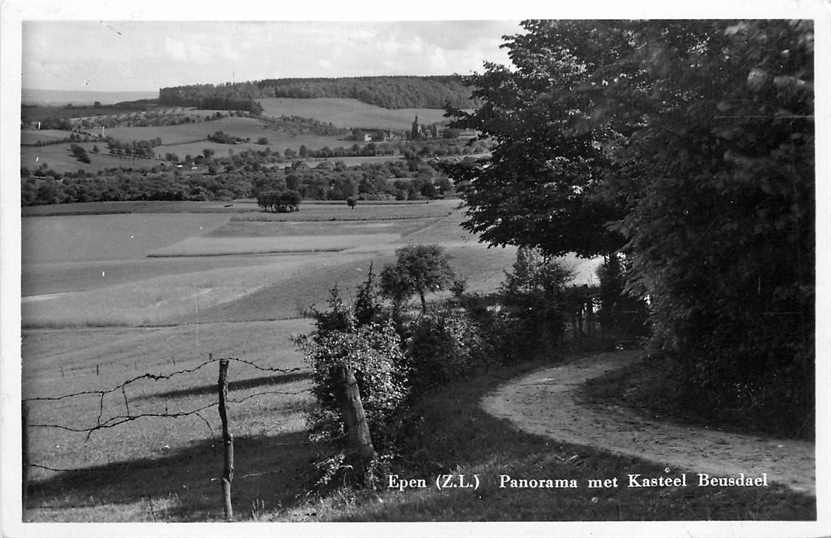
(221, 137)
(383, 91)
(685, 150)
(282, 201)
(80, 153)
(298, 125)
(140, 149)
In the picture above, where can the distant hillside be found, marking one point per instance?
(80, 97)
(387, 92)
(350, 113)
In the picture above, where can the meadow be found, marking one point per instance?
(32, 137)
(350, 113)
(187, 132)
(277, 142)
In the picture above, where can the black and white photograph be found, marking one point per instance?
(504, 268)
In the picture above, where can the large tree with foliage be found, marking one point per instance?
(688, 145)
(418, 269)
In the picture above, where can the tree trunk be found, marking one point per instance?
(423, 302)
(359, 450)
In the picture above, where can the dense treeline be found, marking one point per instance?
(387, 92)
(686, 149)
(297, 125)
(242, 175)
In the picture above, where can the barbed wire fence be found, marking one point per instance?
(127, 415)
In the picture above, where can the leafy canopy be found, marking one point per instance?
(687, 145)
(418, 269)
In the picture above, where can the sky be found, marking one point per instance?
(128, 55)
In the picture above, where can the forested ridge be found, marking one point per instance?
(383, 91)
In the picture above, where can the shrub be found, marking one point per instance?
(373, 352)
(445, 345)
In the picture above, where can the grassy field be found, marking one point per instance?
(339, 212)
(350, 113)
(278, 142)
(108, 237)
(252, 228)
(31, 137)
(48, 278)
(160, 468)
(224, 246)
(78, 270)
(136, 206)
(242, 265)
(187, 132)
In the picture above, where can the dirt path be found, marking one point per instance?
(545, 403)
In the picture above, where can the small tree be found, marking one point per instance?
(351, 201)
(534, 293)
(418, 269)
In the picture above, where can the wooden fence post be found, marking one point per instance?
(359, 441)
(227, 438)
